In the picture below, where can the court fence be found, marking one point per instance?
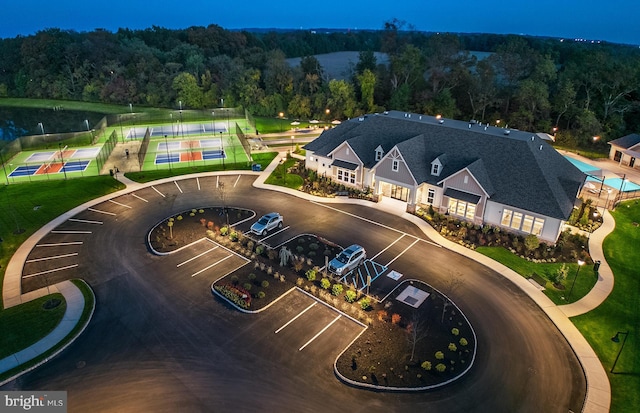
(142, 152)
(106, 150)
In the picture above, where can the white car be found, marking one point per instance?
(347, 260)
(266, 223)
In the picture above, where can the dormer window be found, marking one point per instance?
(437, 165)
(379, 153)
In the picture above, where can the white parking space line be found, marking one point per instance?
(212, 265)
(320, 332)
(405, 250)
(85, 221)
(389, 246)
(197, 256)
(140, 198)
(50, 271)
(71, 232)
(100, 212)
(198, 182)
(236, 182)
(118, 203)
(154, 188)
(73, 254)
(374, 222)
(275, 233)
(60, 244)
(178, 186)
(296, 317)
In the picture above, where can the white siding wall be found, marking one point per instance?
(550, 231)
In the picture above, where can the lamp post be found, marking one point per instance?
(292, 144)
(616, 339)
(62, 160)
(580, 264)
(606, 204)
(166, 147)
(284, 171)
(222, 146)
(213, 122)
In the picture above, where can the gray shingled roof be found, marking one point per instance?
(626, 141)
(518, 169)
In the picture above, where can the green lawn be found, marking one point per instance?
(89, 300)
(621, 311)
(16, 335)
(73, 105)
(583, 283)
(281, 178)
(27, 207)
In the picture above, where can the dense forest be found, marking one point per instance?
(531, 83)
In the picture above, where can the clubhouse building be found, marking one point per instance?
(472, 171)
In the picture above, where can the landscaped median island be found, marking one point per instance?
(414, 338)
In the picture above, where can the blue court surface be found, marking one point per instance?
(43, 169)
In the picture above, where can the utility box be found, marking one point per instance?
(256, 167)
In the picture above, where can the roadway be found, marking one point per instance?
(159, 340)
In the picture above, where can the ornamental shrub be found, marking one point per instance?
(441, 367)
(224, 231)
(350, 296)
(337, 289)
(310, 274)
(260, 249)
(325, 283)
(426, 365)
(252, 276)
(264, 284)
(453, 347)
(455, 331)
(463, 341)
(247, 286)
(261, 294)
(439, 355)
(365, 303)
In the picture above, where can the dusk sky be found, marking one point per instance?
(614, 21)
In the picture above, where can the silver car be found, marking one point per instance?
(266, 223)
(347, 260)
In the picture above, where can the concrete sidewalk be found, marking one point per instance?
(598, 397)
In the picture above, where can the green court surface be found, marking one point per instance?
(168, 145)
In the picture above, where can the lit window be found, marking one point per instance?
(452, 206)
(395, 165)
(506, 217)
(471, 211)
(431, 195)
(517, 220)
(461, 208)
(537, 226)
(527, 224)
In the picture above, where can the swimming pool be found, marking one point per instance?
(615, 183)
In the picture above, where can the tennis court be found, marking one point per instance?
(50, 168)
(164, 158)
(179, 130)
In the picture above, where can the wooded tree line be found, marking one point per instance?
(537, 84)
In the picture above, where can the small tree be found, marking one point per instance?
(337, 289)
(531, 242)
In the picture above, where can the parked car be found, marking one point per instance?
(266, 223)
(347, 260)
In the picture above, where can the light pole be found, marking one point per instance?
(173, 134)
(222, 146)
(213, 122)
(580, 264)
(166, 147)
(281, 116)
(616, 339)
(606, 204)
(181, 127)
(62, 160)
(86, 122)
(284, 171)
(292, 144)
